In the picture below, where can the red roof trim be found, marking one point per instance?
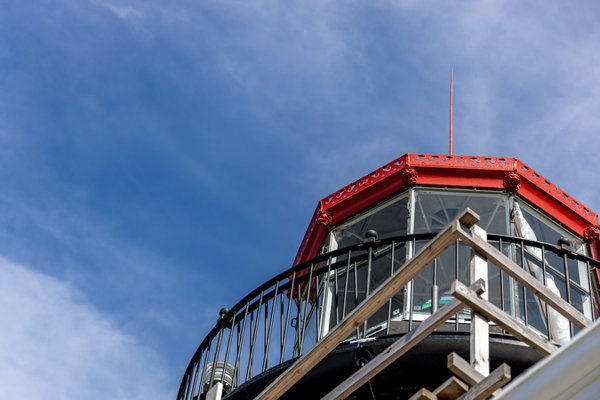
(437, 170)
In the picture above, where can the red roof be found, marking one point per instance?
(452, 171)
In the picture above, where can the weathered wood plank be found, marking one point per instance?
(524, 278)
(493, 313)
(423, 394)
(480, 328)
(398, 348)
(451, 389)
(468, 218)
(484, 389)
(364, 310)
(461, 368)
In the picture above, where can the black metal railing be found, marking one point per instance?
(287, 315)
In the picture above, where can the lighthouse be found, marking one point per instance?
(432, 277)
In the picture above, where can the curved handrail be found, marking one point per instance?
(289, 287)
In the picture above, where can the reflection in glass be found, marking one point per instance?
(420, 211)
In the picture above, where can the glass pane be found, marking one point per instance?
(388, 219)
(538, 227)
(581, 301)
(434, 210)
(578, 273)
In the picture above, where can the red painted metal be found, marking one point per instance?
(451, 171)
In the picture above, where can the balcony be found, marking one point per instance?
(254, 341)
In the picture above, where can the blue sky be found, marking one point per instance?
(158, 160)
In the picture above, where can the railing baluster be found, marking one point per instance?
(545, 280)
(356, 294)
(186, 389)
(228, 349)
(346, 285)
(336, 296)
(287, 319)
(281, 324)
(524, 262)
(319, 306)
(325, 284)
(593, 309)
(502, 306)
(206, 357)
(298, 316)
(434, 288)
(456, 262)
(568, 283)
(251, 350)
(253, 336)
(240, 342)
(411, 300)
(216, 357)
(265, 328)
(368, 285)
(389, 314)
(192, 389)
(306, 301)
(268, 337)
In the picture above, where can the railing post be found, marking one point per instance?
(480, 330)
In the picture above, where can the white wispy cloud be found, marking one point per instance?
(120, 9)
(54, 345)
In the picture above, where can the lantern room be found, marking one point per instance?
(384, 261)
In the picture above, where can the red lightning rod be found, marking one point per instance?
(451, 100)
